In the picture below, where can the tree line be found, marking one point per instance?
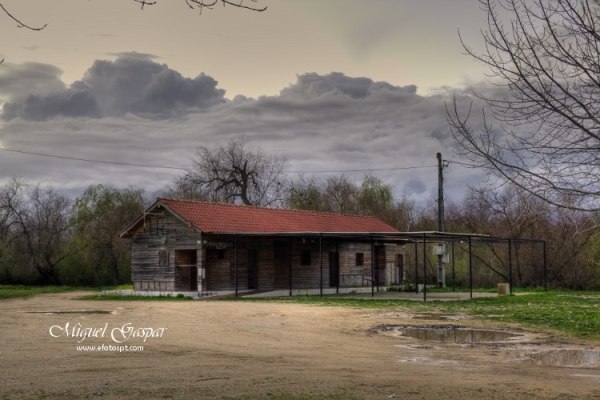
(48, 238)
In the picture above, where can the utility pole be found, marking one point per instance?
(440, 193)
(441, 275)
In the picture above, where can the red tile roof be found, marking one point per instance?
(228, 218)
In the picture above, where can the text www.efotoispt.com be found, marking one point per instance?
(109, 348)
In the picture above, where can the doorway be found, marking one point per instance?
(186, 270)
(252, 269)
(334, 269)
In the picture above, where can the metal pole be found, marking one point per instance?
(470, 269)
(337, 261)
(376, 269)
(290, 255)
(321, 263)
(510, 283)
(545, 266)
(440, 193)
(416, 267)
(453, 270)
(424, 268)
(441, 272)
(235, 262)
(372, 269)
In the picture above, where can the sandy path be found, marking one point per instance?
(261, 350)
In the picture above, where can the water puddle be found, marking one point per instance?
(77, 312)
(449, 334)
(437, 317)
(569, 358)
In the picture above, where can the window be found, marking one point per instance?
(360, 259)
(221, 254)
(305, 257)
(163, 258)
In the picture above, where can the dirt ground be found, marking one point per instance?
(247, 350)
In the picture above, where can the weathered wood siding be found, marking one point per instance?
(162, 231)
(273, 263)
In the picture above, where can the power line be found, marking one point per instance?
(89, 160)
(460, 163)
(362, 170)
(127, 164)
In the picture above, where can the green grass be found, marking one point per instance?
(566, 312)
(14, 291)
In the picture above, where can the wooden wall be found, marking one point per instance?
(161, 232)
(273, 263)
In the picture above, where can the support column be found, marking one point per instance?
(416, 267)
(290, 255)
(372, 268)
(337, 279)
(424, 267)
(510, 283)
(453, 269)
(470, 268)
(235, 263)
(321, 263)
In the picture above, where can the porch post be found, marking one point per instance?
(453, 269)
(372, 269)
(291, 242)
(510, 283)
(416, 267)
(337, 279)
(321, 263)
(424, 267)
(470, 268)
(235, 263)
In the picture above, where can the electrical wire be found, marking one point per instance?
(89, 160)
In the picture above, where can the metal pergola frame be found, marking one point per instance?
(374, 238)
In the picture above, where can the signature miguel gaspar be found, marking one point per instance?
(119, 334)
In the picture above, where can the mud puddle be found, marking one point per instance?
(450, 334)
(76, 312)
(567, 358)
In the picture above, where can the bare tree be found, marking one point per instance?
(192, 4)
(40, 221)
(209, 4)
(542, 132)
(232, 173)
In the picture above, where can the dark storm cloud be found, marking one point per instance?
(311, 86)
(133, 83)
(71, 102)
(17, 81)
(319, 123)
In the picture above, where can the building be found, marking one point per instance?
(192, 246)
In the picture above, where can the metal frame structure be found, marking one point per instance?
(374, 238)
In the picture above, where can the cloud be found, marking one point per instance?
(17, 81)
(329, 122)
(133, 83)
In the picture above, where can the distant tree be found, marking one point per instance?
(39, 225)
(99, 215)
(541, 128)
(339, 194)
(306, 194)
(233, 173)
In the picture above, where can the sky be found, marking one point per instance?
(335, 85)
